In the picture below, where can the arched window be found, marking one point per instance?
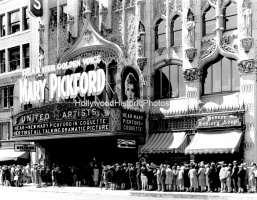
(222, 76)
(230, 16)
(209, 21)
(160, 34)
(176, 31)
(169, 82)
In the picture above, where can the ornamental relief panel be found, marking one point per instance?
(246, 66)
(52, 55)
(210, 50)
(159, 8)
(224, 44)
(193, 74)
(245, 26)
(117, 27)
(64, 45)
(130, 33)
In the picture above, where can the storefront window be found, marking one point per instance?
(209, 22)
(230, 19)
(176, 31)
(169, 82)
(14, 22)
(160, 34)
(222, 76)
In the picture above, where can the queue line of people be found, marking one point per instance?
(201, 177)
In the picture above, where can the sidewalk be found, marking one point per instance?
(66, 189)
(98, 191)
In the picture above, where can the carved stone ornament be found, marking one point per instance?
(225, 45)
(193, 74)
(142, 62)
(246, 44)
(88, 35)
(210, 50)
(190, 54)
(41, 27)
(160, 50)
(246, 66)
(246, 26)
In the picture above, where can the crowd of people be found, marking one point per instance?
(192, 177)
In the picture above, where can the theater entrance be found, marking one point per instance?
(81, 151)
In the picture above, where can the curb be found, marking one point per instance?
(188, 195)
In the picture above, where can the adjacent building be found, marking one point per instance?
(18, 51)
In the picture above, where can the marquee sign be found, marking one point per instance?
(133, 121)
(62, 87)
(69, 118)
(61, 119)
(218, 121)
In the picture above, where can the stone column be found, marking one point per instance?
(248, 90)
(247, 67)
(190, 28)
(40, 155)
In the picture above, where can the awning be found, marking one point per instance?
(10, 154)
(165, 143)
(215, 142)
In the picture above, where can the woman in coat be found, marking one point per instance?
(228, 179)
(175, 180)
(192, 174)
(207, 172)
(180, 177)
(158, 178)
(169, 178)
(17, 176)
(201, 178)
(211, 177)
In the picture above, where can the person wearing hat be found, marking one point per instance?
(17, 176)
(12, 174)
(144, 179)
(132, 177)
(223, 177)
(138, 176)
(169, 177)
(234, 176)
(251, 181)
(201, 177)
(241, 178)
(33, 173)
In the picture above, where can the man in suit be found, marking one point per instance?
(234, 176)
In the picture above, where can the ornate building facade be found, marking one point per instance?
(195, 65)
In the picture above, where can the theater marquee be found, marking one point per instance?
(69, 119)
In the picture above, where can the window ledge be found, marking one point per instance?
(5, 110)
(4, 1)
(176, 47)
(169, 99)
(15, 34)
(221, 93)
